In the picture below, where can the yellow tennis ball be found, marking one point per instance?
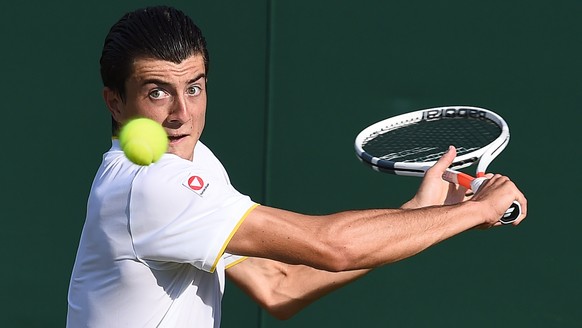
(143, 141)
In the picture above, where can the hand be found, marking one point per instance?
(498, 192)
(434, 190)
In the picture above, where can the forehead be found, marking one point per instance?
(151, 68)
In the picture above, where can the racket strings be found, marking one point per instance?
(401, 144)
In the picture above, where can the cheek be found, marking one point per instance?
(199, 115)
(198, 123)
(134, 108)
(157, 112)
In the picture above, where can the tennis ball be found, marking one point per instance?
(143, 141)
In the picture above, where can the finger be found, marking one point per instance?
(444, 162)
(455, 194)
(523, 203)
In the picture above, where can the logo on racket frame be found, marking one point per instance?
(452, 112)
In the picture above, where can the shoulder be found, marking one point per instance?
(202, 149)
(174, 184)
(164, 180)
(179, 182)
(204, 157)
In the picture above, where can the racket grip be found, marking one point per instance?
(512, 213)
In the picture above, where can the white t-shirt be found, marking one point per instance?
(152, 249)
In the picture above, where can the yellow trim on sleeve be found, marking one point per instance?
(230, 265)
(230, 236)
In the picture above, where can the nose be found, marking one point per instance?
(179, 111)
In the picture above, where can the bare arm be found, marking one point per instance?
(283, 289)
(366, 239)
(349, 242)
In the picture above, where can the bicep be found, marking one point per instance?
(285, 236)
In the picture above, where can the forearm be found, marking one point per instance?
(285, 289)
(303, 285)
(349, 240)
(377, 237)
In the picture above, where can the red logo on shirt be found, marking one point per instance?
(195, 183)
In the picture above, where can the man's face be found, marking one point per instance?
(173, 95)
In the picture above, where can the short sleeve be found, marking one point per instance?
(181, 213)
(231, 260)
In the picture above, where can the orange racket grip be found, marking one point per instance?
(459, 178)
(465, 180)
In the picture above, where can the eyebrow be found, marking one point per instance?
(164, 83)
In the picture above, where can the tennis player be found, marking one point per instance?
(159, 241)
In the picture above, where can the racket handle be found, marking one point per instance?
(512, 212)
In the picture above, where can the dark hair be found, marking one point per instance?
(159, 32)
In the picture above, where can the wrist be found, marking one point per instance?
(411, 204)
(475, 212)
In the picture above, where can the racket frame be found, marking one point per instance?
(482, 156)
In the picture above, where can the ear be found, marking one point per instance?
(114, 104)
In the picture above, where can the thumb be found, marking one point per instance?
(444, 162)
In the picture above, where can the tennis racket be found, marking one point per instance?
(410, 143)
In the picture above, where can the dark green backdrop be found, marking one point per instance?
(291, 84)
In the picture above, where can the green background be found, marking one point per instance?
(291, 84)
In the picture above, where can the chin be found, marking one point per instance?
(186, 154)
(183, 147)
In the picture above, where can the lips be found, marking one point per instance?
(176, 138)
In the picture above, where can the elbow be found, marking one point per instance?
(339, 249)
(337, 260)
(337, 257)
(280, 314)
(282, 309)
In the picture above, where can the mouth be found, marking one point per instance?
(173, 139)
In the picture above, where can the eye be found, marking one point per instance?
(194, 90)
(158, 94)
